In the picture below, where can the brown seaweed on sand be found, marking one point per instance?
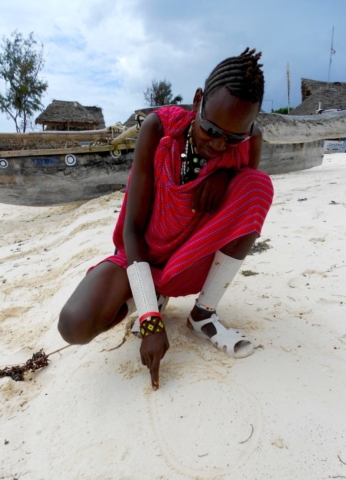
(36, 362)
(17, 372)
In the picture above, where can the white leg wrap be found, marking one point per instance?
(221, 274)
(143, 289)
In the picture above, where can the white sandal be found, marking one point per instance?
(225, 339)
(162, 301)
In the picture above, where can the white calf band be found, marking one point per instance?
(143, 289)
(221, 274)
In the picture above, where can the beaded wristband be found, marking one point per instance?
(152, 325)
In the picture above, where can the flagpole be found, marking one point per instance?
(332, 52)
(288, 87)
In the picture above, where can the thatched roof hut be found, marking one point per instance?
(96, 112)
(61, 115)
(317, 95)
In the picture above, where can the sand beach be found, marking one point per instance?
(91, 414)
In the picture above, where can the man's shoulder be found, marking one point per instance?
(174, 119)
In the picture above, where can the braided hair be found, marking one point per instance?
(242, 76)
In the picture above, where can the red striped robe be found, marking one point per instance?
(181, 244)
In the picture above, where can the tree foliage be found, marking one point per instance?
(282, 110)
(160, 93)
(21, 60)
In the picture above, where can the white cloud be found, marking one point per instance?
(106, 53)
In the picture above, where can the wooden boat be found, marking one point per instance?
(76, 166)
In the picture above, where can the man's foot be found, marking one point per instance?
(198, 314)
(229, 340)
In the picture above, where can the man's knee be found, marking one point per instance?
(74, 327)
(254, 183)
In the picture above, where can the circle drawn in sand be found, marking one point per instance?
(205, 428)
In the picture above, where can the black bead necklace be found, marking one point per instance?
(191, 162)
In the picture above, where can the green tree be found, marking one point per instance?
(160, 93)
(282, 110)
(21, 60)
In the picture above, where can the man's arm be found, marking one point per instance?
(141, 189)
(255, 148)
(139, 202)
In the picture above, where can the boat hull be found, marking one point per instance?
(41, 181)
(291, 157)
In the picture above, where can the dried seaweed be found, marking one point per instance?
(252, 430)
(248, 273)
(36, 362)
(17, 372)
(260, 247)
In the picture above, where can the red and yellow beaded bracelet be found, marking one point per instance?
(152, 325)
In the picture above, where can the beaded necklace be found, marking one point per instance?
(191, 162)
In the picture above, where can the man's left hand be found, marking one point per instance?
(210, 192)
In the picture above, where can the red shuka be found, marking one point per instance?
(182, 244)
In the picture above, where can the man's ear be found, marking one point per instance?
(197, 98)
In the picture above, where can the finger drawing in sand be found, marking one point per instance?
(194, 205)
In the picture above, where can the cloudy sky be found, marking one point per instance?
(107, 52)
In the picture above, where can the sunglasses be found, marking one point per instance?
(216, 132)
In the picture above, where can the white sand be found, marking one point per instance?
(91, 414)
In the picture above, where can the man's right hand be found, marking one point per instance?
(153, 349)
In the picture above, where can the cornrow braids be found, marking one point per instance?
(242, 76)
